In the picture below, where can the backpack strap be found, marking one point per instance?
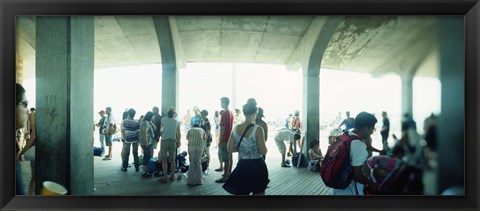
(246, 129)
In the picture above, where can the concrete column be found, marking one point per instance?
(311, 81)
(407, 93)
(451, 133)
(169, 64)
(64, 91)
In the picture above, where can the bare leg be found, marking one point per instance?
(165, 170)
(172, 168)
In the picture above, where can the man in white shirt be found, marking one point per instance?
(364, 127)
(282, 135)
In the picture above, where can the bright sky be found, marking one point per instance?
(277, 90)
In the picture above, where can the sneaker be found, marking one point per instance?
(219, 169)
(124, 169)
(285, 165)
(137, 169)
(287, 162)
(172, 178)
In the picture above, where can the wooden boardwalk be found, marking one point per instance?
(109, 180)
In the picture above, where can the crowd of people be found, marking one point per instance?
(247, 135)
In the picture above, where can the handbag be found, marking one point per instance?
(29, 154)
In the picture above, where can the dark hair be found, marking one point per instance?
(171, 113)
(216, 113)
(32, 109)
(204, 112)
(125, 115)
(364, 119)
(314, 142)
(20, 91)
(131, 112)
(225, 100)
(250, 108)
(296, 136)
(148, 116)
(196, 125)
(221, 112)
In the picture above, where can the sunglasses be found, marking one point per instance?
(24, 104)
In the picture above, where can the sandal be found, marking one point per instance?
(163, 180)
(219, 169)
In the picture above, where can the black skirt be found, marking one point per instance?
(250, 176)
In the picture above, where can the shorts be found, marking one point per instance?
(223, 153)
(168, 146)
(108, 140)
(281, 146)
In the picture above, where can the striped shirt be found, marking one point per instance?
(196, 137)
(131, 128)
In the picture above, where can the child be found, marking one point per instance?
(315, 154)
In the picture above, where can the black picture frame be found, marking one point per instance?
(470, 9)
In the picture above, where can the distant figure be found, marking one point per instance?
(108, 124)
(348, 122)
(146, 140)
(196, 137)
(250, 174)
(430, 128)
(21, 114)
(297, 125)
(283, 135)
(238, 117)
(186, 120)
(197, 118)
(259, 121)
(205, 125)
(101, 130)
(226, 124)
(288, 121)
(385, 130)
(216, 119)
(171, 137)
(218, 138)
(130, 130)
(157, 121)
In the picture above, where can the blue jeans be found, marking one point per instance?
(102, 142)
(126, 154)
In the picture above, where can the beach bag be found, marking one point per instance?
(336, 168)
(303, 160)
(97, 151)
(113, 129)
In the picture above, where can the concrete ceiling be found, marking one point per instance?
(370, 44)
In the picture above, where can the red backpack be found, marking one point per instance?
(336, 169)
